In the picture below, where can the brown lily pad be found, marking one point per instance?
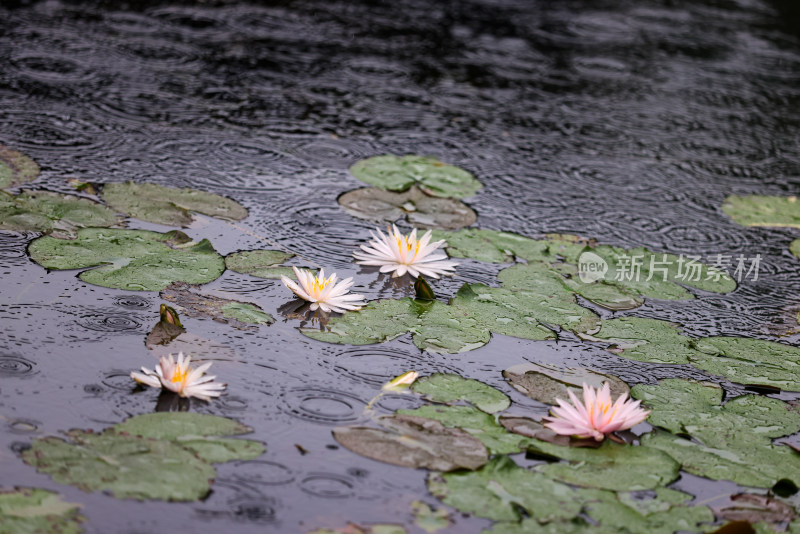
(755, 509)
(546, 384)
(16, 168)
(527, 427)
(241, 315)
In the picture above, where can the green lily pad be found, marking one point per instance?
(181, 426)
(352, 528)
(492, 246)
(260, 263)
(136, 260)
(531, 526)
(794, 248)
(645, 340)
(168, 205)
(480, 424)
(421, 210)
(446, 388)
(37, 511)
(501, 489)
(429, 519)
(731, 441)
(240, 315)
(398, 173)
(750, 361)
(414, 442)
(758, 210)
(547, 383)
(53, 213)
(16, 168)
(612, 466)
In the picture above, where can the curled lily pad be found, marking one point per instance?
(411, 441)
(240, 315)
(731, 441)
(16, 168)
(137, 260)
(440, 387)
(33, 510)
(421, 210)
(53, 213)
(260, 263)
(168, 205)
(546, 383)
(530, 428)
(398, 173)
(758, 210)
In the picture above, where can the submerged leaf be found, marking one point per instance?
(445, 388)
(168, 205)
(398, 173)
(53, 213)
(546, 383)
(260, 263)
(237, 314)
(16, 168)
(136, 260)
(33, 510)
(421, 210)
(759, 210)
(411, 441)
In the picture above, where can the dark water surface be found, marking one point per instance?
(625, 121)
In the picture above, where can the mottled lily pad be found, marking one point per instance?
(241, 315)
(421, 210)
(16, 168)
(168, 205)
(53, 213)
(260, 263)
(37, 511)
(755, 509)
(750, 361)
(430, 519)
(546, 383)
(440, 387)
(758, 210)
(155, 456)
(731, 441)
(645, 340)
(398, 173)
(411, 441)
(136, 260)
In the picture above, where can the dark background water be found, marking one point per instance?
(625, 121)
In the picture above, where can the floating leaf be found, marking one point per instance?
(183, 425)
(33, 510)
(501, 489)
(758, 210)
(531, 526)
(441, 387)
(480, 424)
(527, 427)
(731, 441)
(756, 508)
(398, 173)
(645, 340)
(612, 466)
(421, 210)
(168, 205)
(429, 519)
(136, 260)
(352, 528)
(16, 168)
(260, 263)
(414, 442)
(237, 314)
(54, 213)
(794, 248)
(546, 384)
(750, 361)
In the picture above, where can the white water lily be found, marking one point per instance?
(401, 382)
(179, 377)
(324, 293)
(402, 254)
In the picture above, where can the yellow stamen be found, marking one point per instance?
(178, 376)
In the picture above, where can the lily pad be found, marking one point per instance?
(54, 213)
(612, 466)
(480, 424)
(794, 248)
(398, 173)
(168, 205)
(758, 210)
(136, 260)
(446, 388)
(154, 456)
(429, 519)
(421, 210)
(240, 315)
(645, 340)
(411, 441)
(260, 263)
(16, 168)
(33, 510)
(750, 361)
(501, 489)
(755, 509)
(547, 383)
(731, 441)
(530, 428)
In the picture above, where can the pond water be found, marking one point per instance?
(628, 122)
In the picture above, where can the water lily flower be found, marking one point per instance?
(596, 417)
(402, 254)
(179, 377)
(324, 293)
(401, 382)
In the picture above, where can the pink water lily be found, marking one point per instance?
(597, 416)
